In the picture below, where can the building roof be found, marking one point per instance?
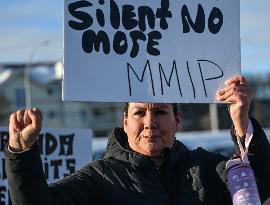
(4, 76)
(40, 73)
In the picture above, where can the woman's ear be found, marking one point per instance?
(125, 122)
(178, 121)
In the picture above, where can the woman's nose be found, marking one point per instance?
(150, 121)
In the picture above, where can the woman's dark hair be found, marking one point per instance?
(175, 108)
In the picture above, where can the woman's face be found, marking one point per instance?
(151, 127)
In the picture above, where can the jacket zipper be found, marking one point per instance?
(163, 184)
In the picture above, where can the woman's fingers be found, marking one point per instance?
(26, 118)
(233, 90)
(24, 128)
(14, 124)
(35, 115)
(237, 79)
(20, 118)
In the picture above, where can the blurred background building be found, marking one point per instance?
(31, 44)
(46, 93)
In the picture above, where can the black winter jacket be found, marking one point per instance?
(124, 177)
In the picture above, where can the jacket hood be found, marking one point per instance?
(118, 148)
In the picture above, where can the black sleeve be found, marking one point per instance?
(214, 176)
(27, 183)
(259, 157)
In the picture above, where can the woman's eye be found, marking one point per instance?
(139, 113)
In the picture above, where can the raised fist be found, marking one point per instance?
(24, 128)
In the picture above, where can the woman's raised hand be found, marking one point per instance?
(24, 128)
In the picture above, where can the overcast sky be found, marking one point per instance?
(26, 25)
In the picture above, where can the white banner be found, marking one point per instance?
(62, 151)
(150, 51)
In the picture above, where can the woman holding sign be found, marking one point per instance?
(143, 163)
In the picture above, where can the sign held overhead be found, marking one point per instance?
(152, 51)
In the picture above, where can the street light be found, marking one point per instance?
(27, 83)
(213, 112)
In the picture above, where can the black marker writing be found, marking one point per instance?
(3, 191)
(191, 81)
(135, 21)
(4, 136)
(168, 82)
(3, 174)
(53, 168)
(202, 65)
(209, 78)
(49, 144)
(147, 65)
(215, 20)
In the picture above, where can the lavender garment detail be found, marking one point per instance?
(242, 185)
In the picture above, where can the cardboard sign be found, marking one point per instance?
(150, 51)
(62, 152)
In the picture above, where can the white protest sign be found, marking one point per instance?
(150, 51)
(62, 152)
(4, 198)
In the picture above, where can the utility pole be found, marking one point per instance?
(213, 112)
(27, 80)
